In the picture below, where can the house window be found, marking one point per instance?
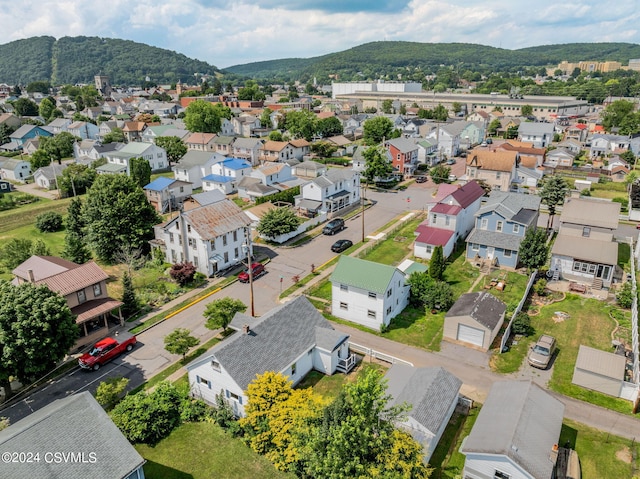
(97, 290)
(180, 239)
(215, 365)
(499, 226)
(170, 237)
(226, 257)
(235, 396)
(344, 306)
(501, 475)
(177, 225)
(182, 189)
(429, 249)
(344, 287)
(508, 253)
(475, 247)
(516, 228)
(389, 310)
(371, 314)
(484, 223)
(586, 231)
(188, 228)
(173, 256)
(389, 293)
(224, 240)
(195, 261)
(202, 380)
(81, 296)
(498, 174)
(372, 295)
(293, 369)
(212, 243)
(235, 251)
(447, 220)
(192, 243)
(435, 217)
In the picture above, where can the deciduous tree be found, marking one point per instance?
(140, 171)
(219, 313)
(174, 147)
(376, 129)
(301, 124)
(201, 116)
(37, 329)
(179, 341)
(110, 391)
(278, 221)
(534, 251)
(377, 166)
(117, 212)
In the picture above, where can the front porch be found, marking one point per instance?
(94, 319)
(346, 365)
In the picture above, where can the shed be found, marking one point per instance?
(599, 370)
(474, 320)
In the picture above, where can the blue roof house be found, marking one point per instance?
(225, 175)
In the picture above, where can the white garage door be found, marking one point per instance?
(470, 335)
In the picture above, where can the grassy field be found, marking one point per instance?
(601, 455)
(396, 247)
(26, 215)
(416, 327)
(203, 450)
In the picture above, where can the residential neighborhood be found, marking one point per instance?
(274, 273)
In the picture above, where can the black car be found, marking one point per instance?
(333, 226)
(421, 179)
(341, 245)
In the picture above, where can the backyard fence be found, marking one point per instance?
(507, 331)
(383, 236)
(634, 313)
(357, 348)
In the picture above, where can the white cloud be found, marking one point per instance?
(225, 33)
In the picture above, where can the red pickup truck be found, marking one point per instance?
(105, 350)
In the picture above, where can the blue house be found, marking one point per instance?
(500, 226)
(25, 132)
(225, 175)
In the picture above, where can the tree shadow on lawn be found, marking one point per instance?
(568, 437)
(156, 470)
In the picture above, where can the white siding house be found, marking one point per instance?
(291, 339)
(195, 165)
(367, 293)
(335, 190)
(211, 237)
(156, 156)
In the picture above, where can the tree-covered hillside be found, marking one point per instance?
(380, 59)
(73, 60)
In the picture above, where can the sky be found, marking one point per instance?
(225, 33)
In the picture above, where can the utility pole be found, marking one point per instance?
(250, 270)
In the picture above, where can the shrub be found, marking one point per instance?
(625, 296)
(521, 324)
(194, 410)
(49, 222)
(540, 287)
(182, 273)
(109, 391)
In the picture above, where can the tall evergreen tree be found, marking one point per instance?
(129, 300)
(437, 263)
(140, 171)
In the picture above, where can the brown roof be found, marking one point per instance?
(528, 161)
(522, 147)
(492, 160)
(271, 169)
(299, 143)
(43, 267)
(94, 308)
(75, 279)
(216, 219)
(134, 126)
(325, 114)
(274, 145)
(202, 138)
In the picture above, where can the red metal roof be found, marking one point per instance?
(433, 236)
(94, 308)
(468, 193)
(445, 209)
(75, 279)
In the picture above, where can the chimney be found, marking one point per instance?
(246, 329)
(32, 278)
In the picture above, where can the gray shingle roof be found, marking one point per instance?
(430, 392)
(495, 239)
(483, 307)
(274, 342)
(509, 204)
(75, 424)
(519, 420)
(197, 158)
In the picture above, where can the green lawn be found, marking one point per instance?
(601, 454)
(446, 460)
(515, 285)
(203, 450)
(26, 215)
(321, 290)
(416, 327)
(330, 386)
(460, 274)
(396, 247)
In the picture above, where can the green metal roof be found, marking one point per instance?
(363, 274)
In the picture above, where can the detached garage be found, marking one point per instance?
(599, 370)
(474, 320)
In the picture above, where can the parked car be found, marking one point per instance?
(452, 178)
(105, 350)
(333, 226)
(421, 179)
(341, 245)
(257, 271)
(451, 161)
(541, 354)
(489, 141)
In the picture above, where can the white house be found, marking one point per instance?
(47, 176)
(604, 145)
(83, 130)
(211, 237)
(367, 293)
(337, 189)
(156, 156)
(431, 393)
(452, 217)
(247, 149)
(225, 175)
(515, 434)
(195, 165)
(540, 134)
(244, 125)
(291, 339)
(14, 169)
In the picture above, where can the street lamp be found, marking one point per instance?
(247, 246)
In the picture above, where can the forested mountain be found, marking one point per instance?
(73, 60)
(380, 59)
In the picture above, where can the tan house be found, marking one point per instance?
(496, 168)
(530, 157)
(133, 130)
(585, 250)
(201, 142)
(276, 151)
(474, 320)
(84, 286)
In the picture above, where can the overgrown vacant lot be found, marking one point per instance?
(26, 215)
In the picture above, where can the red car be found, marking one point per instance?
(257, 269)
(104, 351)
